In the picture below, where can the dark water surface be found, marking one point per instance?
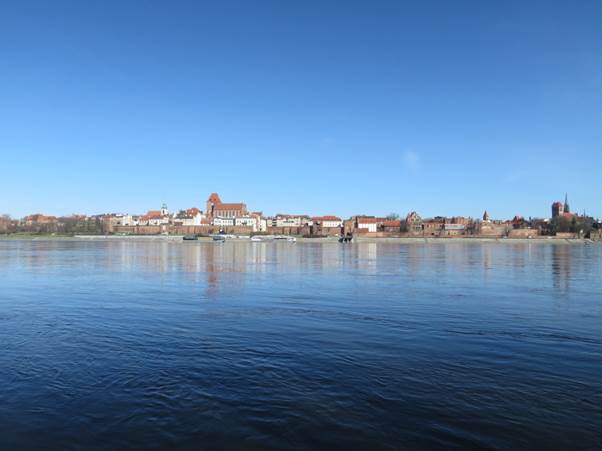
(187, 345)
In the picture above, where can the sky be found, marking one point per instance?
(314, 107)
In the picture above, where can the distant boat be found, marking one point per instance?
(190, 238)
(218, 237)
(291, 239)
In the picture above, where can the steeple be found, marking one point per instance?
(566, 203)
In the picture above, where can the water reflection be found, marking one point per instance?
(364, 345)
(229, 263)
(561, 267)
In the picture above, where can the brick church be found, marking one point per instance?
(216, 208)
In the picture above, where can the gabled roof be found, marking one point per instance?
(361, 220)
(193, 211)
(235, 206)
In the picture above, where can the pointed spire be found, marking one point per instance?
(566, 203)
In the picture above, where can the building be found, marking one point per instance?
(281, 220)
(247, 221)
(557, 209)
(216, 208)
(560, 209)
(155, 217)
(433, 226)
(191, 217)
(365, 223)
(124, 219)
(39, 218)
(327, 222)
(223, 222)
(414, 223)
(391, 225)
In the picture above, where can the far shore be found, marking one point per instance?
(356, 239)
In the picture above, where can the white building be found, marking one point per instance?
(367, 223)
(291, 221)
(262, 225)
(191, 217)
(223, 222)
(124, 220)
(328, 221)
(246, 221)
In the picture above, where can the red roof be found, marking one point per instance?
(325, 218)
(152, 214)
(392, 223)
(237, 206)
(193, 211)
(366, 220)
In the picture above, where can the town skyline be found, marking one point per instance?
(291, 210)
(219, 217)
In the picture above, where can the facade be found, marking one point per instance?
(414, 223)
(155, 217)
(191, 217)
(391, 225)
(216, 208)
(39, 218)
(327, 221)
(262, 224)
(366, 224)
(433, 226)
(281, 220)
(557, 209)
(452, 226)
(562, 209)
(223, 222)
(124, 220)
(247, 221)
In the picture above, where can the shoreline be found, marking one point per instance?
(357, 239)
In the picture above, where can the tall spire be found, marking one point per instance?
(566, 203)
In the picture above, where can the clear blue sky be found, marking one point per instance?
(312, 107)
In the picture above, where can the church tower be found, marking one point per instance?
(566, 203)
(164, 210)
(212, 202)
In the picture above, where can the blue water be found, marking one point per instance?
(124, 344)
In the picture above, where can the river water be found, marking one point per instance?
(122, 344)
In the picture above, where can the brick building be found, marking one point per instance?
(216, 208)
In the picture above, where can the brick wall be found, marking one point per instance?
(523, 233)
